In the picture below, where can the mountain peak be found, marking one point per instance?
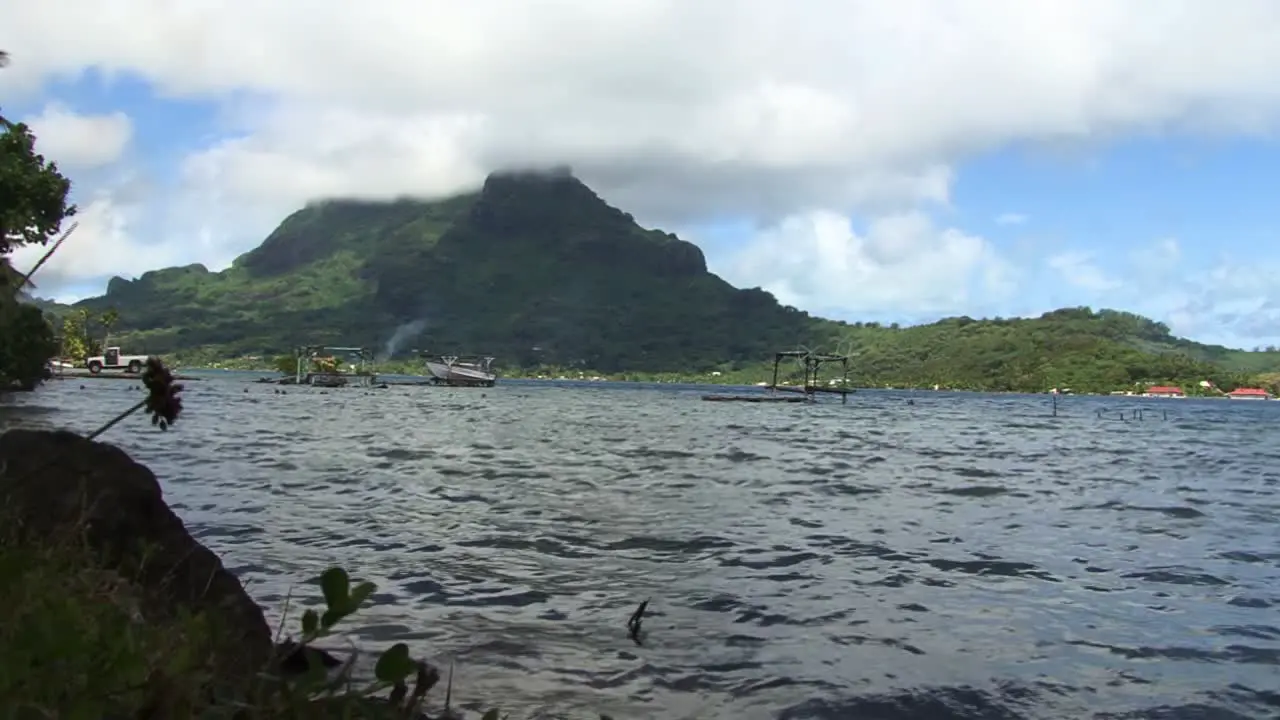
(529, 187)
(556, 174)
(557, 213)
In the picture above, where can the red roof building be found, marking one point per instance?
(1164, 391)
(1249, 394)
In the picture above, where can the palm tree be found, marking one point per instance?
(109, 317)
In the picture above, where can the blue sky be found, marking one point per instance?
(1206, 193)
(1081, 166)
(166, 127)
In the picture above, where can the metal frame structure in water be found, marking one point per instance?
(813, 362)
(306, 374)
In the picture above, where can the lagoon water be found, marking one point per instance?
(957, 556)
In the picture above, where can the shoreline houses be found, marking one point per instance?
(1249, 394)
(1173, 391)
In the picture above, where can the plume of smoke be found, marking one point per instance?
(402, 335)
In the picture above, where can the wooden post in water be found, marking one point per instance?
(844, 379)
(810, 375)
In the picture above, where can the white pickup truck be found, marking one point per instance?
(113, 360)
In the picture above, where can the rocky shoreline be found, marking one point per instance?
(89, 536)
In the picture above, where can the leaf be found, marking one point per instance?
(331, 617)
(359, 594)
(310, 622)
(336, 586)
(492, 715)
(395, 664)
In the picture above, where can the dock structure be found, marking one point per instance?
(317, 367)
(756, 398)
(807, 391)
(813, 362)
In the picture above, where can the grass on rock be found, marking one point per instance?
(76, 644)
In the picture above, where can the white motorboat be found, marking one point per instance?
(462, 370)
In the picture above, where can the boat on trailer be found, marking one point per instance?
(59, 364)
(461, 370)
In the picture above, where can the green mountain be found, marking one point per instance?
(1079, 348)
(534, 268)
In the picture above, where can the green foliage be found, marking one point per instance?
(107, 320)
(33, 207)
(73, 647)
(34, 192)
(286, 364)
(26, 344)
(397, 690)
(77, 339)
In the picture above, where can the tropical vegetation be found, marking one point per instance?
(32, 211)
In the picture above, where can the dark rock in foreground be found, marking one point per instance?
(59, 489)
(54, 482)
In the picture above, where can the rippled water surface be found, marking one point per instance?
(922, 555)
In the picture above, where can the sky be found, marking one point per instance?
(862, 160)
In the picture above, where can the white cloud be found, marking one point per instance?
(789, 113)
(1158, 259)
(1011, 219)
(105, 242)
(1078, 269)
(1236, 304)
(80, 141)
(1228, 302)
(902, 262)
(671, 104)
